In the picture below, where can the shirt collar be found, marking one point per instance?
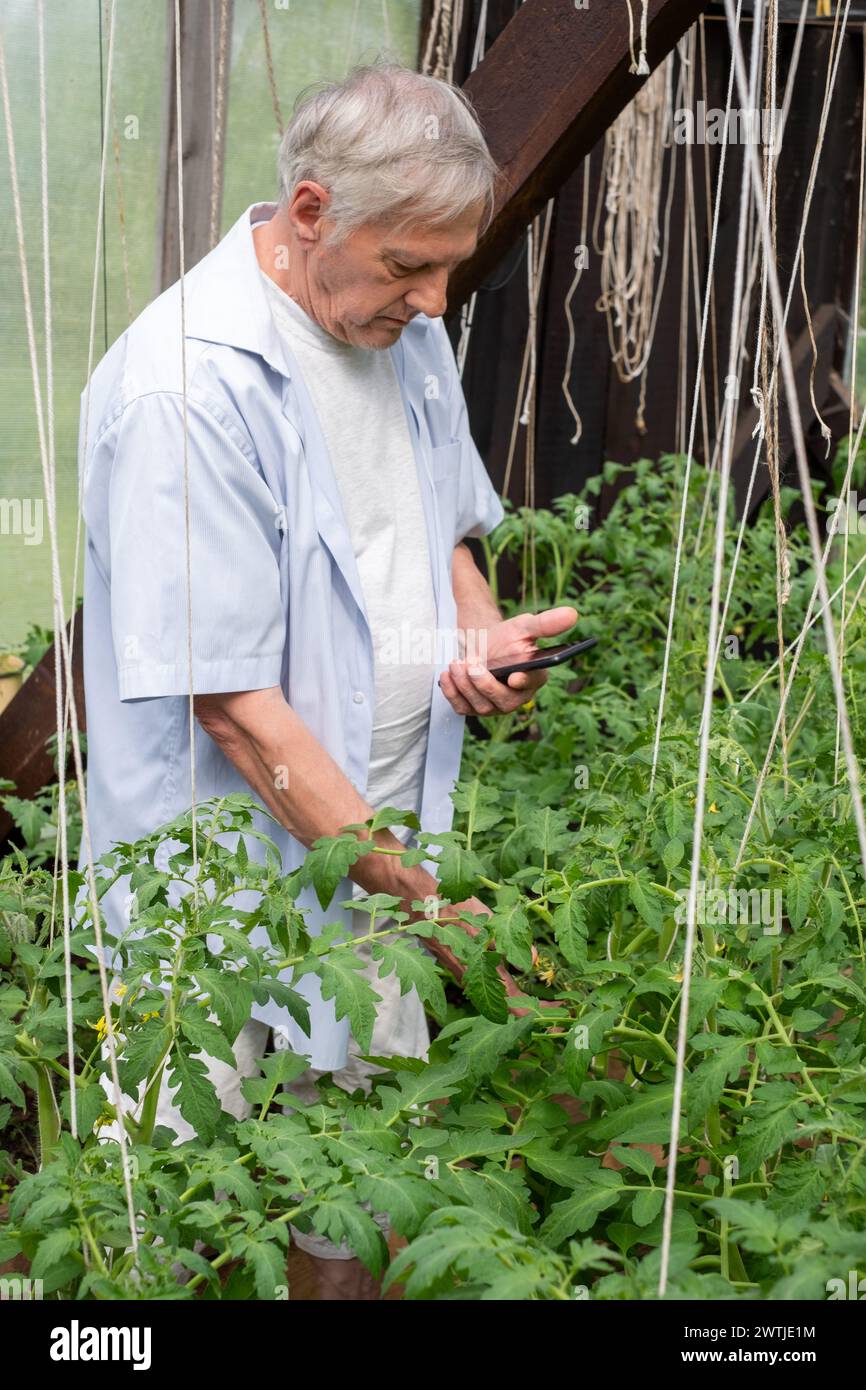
(227, 301)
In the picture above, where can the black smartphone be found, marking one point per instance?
(548, 656)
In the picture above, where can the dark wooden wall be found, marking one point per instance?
(607, 406)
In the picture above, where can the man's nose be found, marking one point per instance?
(431, 298)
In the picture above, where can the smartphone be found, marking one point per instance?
(548, 656)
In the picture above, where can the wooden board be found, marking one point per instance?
(550, 85)
(29, 720)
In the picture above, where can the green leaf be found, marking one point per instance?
(29, 817)
(407, 1199)
(707, 1082)
(90, 1101)
(230, 997)
(644, 1120)
(765, 1135)
(547, 831)
(9, 1086)
(775, 1059)
(570, 930)
(511, 930)
(481, 1044)
(565, 1169)
(343, 980)
(415, 1092)
(195, 1096)
(483, 987)
(673, 853)
(53, 1248)
(458, 872)
(639, 1160)
(268, 1261)
(647, 903)
(340, 1217)
(329, 861)
(577, 1213)
(279, 1069)
(753, 1224)
(206, 1037)
(799, 887)
(647, 1205)
(414, 968)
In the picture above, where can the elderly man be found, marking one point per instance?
(318, 416)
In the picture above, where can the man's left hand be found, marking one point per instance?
(468, 685)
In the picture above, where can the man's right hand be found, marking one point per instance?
(451, 912)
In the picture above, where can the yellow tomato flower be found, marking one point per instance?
(544, 970)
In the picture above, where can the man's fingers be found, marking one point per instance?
(521, 680)
(549, 623)
(452, 694)
(472, 688)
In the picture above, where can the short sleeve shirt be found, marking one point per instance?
(210, 491)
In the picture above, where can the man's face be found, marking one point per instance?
(364, 291)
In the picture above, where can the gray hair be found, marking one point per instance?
(391, 145)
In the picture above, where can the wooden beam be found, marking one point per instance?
(205, 32)
(29, 720)
(549, 87)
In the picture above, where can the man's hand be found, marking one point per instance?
(450, 913)
(468, 685)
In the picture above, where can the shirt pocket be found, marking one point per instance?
(445, 461)
(445, 474)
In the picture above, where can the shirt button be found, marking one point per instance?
(358, 697)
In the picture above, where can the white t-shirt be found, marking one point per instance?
(359, 404)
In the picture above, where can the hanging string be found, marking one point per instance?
(535, 270)
(269, 63)
(118, 184)
(186, 487)
(518, 410)
(61, 870)
(639, 66)
(467, 310)
(218, 90)
(786, 103)
(672, 607)
(858, 261)
(826, 432)
(709, 684)
(819, 560)
(631, 179)
(829, 89)
(689, 266)
(812, 617)
(443, 34)
(770, 395)
(57, 597)
(708, 206)
(580, 259)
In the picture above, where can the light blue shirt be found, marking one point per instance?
(276, 598)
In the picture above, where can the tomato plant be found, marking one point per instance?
(526, 1158)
